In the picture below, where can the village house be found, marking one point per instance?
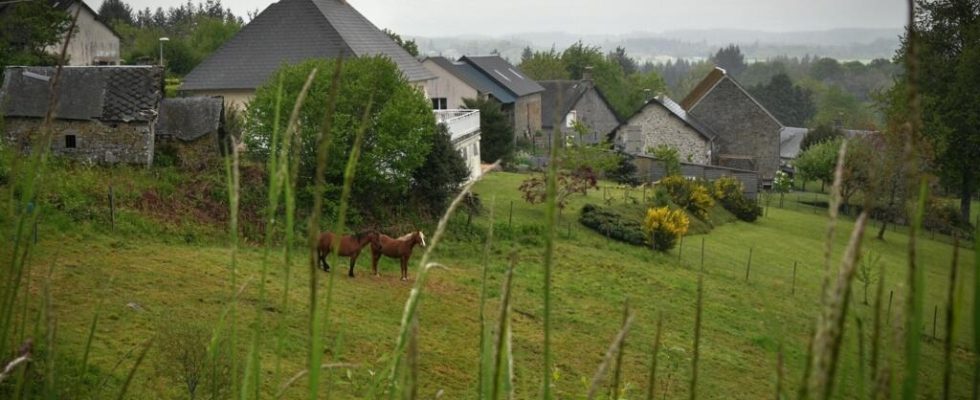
(747, 136)
(289, 32)
(190, 131)
(569, 102)
(525, 108)
(104, 114)
(663, 122)
(93, 42)
(456, 80)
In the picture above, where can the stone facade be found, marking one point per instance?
(590, 110)
(89, 141)
(526, 114)
(748, 136)
(656, 126)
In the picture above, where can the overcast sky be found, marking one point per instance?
(502, 17)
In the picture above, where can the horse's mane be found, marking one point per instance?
(407, 235)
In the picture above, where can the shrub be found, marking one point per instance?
(613, 225)
(669, 156)
(534, 189)
(945, 218)
(186, 359)
(665, 226)
(690, 195)
(625, 171)
(730, 192)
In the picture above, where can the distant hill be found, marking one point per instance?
(844, 44)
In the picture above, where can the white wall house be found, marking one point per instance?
(93, 42)
(464, 132)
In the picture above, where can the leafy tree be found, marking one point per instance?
(731, 59)
(625, 62)
(818, 161)
(438, 179)
(496, 133)
(409, 45)
(580, 56)
(792, 105)
(399, 130)
(837, 106)
(670, 157)
(544, 65)
(116, 11)
(826, 69)
(27, 29)
(947, 37)
(820, 134)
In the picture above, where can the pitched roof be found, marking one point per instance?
(505, 74)
(702, 88)
(291, 31)
(189, 118)
(113, 93)
(678, 112)
(791, 139)
(569, 93)
(469, 75)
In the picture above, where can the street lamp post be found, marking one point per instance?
(163, 39)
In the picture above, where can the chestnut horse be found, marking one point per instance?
(350, 246)
(400, 248)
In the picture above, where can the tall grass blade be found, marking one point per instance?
(651, 388)
(976, 312)
(618, 369)
(834, 201)
(861, 377)
(950, 319)
(485, 356)
(608, 358)
(551, 210)
(132, 371)
(916, 297)
(830, 326)
(234, 185)
(299, 375)
(780, 372)
(503, 324)
(876, 333)
(697, 338)
(91, 331)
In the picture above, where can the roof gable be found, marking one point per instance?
(567, 91)
(710, 82)
(677, 111)
(504, 74)
(474, 78)
(119, 94)
(289, 32)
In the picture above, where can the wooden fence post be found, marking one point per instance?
(112, 209)
(35, 231)
(935, 315)
(888, 318)
(702, 254)
(793, 290)
(510, 220)
(680, 251)
(748, 266)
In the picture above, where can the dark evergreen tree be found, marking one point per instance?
(624, 61)
(436, 182)
(731, 59)
(526, 54)
(27, 29)
(820, 134)
(792, 105)
(409, 45)
(496, 133)
(116, 11)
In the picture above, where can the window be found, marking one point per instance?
(70, 142)
(570, 119)
(476, 149)
(463, 153)
(439, 103)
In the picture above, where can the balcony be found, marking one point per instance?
(460, 122)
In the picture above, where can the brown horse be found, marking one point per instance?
(400, 248)
(350, 246)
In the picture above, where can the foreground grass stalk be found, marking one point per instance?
(551, 211)
(618, 370)
(861, 377)
(950, 319)
(697, 339)
(614, 349)
(315, 318)
(234, 185)
(830, 326)
(503, 325)
(976, 312)
(132, 371)
(484, 353)
(876, 332)
(915, 303)
(651, 389)
(411, 305)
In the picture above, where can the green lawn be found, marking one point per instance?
(745, 323)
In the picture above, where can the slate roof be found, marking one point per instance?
(677, 111)
(475, 79)
(190, 118)
(291, 31)
(570, 91)
(504, 74)
(110, 93)
(791, 139)
(702, 88)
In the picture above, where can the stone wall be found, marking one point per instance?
(655, 126)
(527, 115)
(743, 127)
(94, 141)
(194, 155)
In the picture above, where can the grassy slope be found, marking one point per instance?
(745, 323)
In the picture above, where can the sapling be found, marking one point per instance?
(867, 272)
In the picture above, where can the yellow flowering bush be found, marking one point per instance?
(665, 226)
(700, 201)
(690, 195)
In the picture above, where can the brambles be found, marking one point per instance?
(665, 226)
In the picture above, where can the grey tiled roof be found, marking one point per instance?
(471, 76)
(291, 31)
(189, 118)
(505, 74)
(571, 92)
(679, 112)
(117, 94)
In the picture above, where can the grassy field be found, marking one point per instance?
(161, 283)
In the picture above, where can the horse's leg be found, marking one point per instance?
(353, 260)
(374, 263)
(404, 268)
(321, 255)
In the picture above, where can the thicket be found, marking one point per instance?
(613, 225)
(730, 192)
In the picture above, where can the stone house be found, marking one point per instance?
(747, 135)
(662, 122)
(190, 131)
(525, 109)
(104, 114)
(289, 32)
(567, 102)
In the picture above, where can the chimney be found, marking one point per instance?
(587, 74)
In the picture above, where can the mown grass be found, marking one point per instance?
(160, 280)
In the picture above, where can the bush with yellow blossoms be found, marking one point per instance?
(665, 226)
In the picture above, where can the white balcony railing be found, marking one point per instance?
(459, 122)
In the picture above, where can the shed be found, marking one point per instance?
(190, 130)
